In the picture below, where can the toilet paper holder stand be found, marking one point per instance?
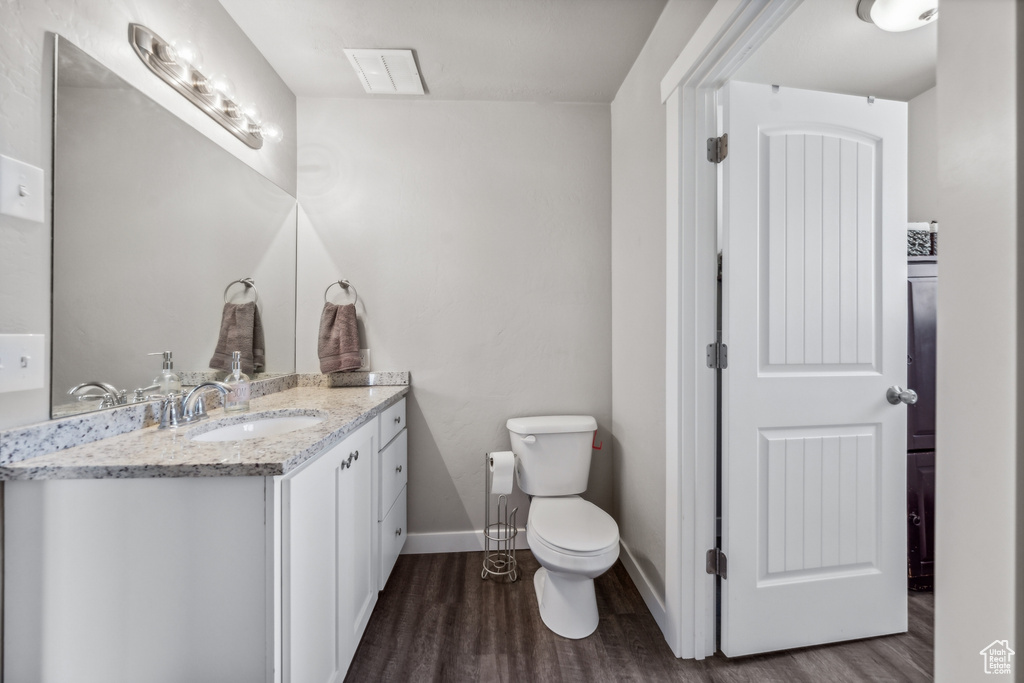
(499, 534)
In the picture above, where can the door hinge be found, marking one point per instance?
(718, 356)
(718, 148)
(717, 563)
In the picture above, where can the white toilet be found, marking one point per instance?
(573, 540)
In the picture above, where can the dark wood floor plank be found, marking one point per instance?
(437, 620)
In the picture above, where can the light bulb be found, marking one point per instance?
(188, 54)
(272, 132)
(223, 85)
(252, 112)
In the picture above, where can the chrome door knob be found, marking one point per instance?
(896, 396)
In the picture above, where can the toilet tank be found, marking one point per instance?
(552, 453)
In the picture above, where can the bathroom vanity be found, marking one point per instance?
(153, 557)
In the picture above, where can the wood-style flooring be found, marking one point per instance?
(437, 620)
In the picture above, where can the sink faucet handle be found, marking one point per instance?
(198, 409)
(142, 393)
(170, 411)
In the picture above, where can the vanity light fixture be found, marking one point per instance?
(898, 15)
(179, 65)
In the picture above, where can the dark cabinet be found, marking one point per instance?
(921, 519)
(922, 290)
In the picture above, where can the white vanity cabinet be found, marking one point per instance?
(393, 477)
(197, 578)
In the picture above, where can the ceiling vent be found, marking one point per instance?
(386, 72)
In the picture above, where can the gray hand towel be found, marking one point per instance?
(338, 341)
(241, 329)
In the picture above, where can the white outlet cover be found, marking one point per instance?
(22, 362)
(21, 190)
(364, 359)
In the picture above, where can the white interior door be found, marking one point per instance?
(815, 317)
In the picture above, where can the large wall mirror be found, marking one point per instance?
(151, 222)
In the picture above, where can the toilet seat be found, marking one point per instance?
(572, 526)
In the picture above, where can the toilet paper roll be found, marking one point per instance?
(503, 465)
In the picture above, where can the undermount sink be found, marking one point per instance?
(258, 427)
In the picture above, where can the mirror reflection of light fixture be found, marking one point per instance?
(898, 15)
(178, 65)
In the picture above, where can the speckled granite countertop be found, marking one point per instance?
(153, 452)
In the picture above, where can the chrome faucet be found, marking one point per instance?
(177, 410)
(196, 410)
(111, 396)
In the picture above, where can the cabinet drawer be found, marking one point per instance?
(392, 537)
(394, 471)
(392, 421)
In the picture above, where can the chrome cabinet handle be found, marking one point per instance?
(354, 455)
(895, 395)
(398, 532)
(398, 420)
(398, 469)
(349, 461)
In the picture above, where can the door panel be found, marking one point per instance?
(814, 314)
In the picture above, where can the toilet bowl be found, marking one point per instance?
(574, 541)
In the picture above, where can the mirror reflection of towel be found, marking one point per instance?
(338, 341)
(241, 329)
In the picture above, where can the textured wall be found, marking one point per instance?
(979, 436)
(923, 158)
(101, 29)
(477, 236)
(638, 289)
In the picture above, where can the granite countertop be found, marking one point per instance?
(153, 452)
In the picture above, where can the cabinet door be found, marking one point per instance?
(921, 517)
(357, 524)
(922, 291)
(328, 578)
(310, 571)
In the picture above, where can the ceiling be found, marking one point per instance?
(824, 46)
(521, 50)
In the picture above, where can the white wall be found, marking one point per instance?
(477, 235)
(638, 289)
(101, 29)
(977, 526)
(923, 158)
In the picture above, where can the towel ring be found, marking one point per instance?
(247, 281)
(344, 284)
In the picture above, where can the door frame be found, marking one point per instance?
(730, 33)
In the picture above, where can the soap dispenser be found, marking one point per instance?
(238, 399)
(166, 380)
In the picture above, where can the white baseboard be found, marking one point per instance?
(453, 542)
(651, 599)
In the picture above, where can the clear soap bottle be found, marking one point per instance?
(167, 380)
(238, 399)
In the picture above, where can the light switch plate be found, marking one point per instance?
(21, 190)
(364, 359)
(21, 362)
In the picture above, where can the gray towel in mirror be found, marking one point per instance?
(241, 329)
(338, 341)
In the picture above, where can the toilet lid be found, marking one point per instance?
(572, 524)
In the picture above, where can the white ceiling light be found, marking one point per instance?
(898, 15)
(386, 72)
